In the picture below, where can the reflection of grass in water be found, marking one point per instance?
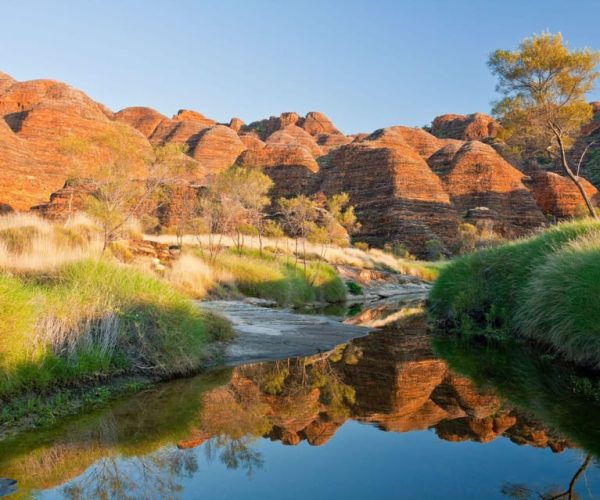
(561, 397)
(135, 426)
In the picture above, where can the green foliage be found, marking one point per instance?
(354, 288)
(561, 304)
(435, 249)
(398, 249)
(362, 245)
(503, 289)
(273, 229)
(339, 207)
(543, 83)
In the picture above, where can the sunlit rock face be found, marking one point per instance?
(34, 117)
(558, 196)
(477, 176)
(407, 185)
(474, 127)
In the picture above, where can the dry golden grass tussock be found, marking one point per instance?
(30, 243)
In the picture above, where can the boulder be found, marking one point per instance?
(316, 124)
(236, 124)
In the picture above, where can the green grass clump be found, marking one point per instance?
(281, 279)
(93, 318)
(561, 306)
(544, 288)
(484, 289)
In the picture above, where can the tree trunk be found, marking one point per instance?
(572, 176)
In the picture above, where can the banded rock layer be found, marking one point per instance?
(407, 184)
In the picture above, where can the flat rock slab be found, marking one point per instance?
(265, 334)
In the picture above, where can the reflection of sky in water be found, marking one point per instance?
(362, 462)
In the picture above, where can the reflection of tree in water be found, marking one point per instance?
(151, 476)
(524, 492)
(234, 453)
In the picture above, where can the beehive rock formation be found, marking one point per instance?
(558, 196)
(407, 185)
(478, 177)
(475, 127)
(40, 114)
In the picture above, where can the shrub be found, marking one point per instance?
(150, 224)
(435, 249)
(276, 278)
(561, 301)
(354, 288)
(362, 245)
(398, 249)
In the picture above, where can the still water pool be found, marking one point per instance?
(396, 414)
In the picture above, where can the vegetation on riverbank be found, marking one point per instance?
(544, 288)
(94, 318)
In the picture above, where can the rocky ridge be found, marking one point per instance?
(407, 184)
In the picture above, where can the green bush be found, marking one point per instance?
(354, 288)
(561, 302)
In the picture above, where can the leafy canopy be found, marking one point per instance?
(544, 84)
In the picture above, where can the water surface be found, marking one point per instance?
(382, 416)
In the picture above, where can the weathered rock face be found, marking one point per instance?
(558, 196)
(317, 124)
(146, 120)
(587, 149)
(19, 184)
(295, 136)
(475, 127)
(477, 176)
(291, 167)
(215, 148)
(407, 184)
(183, 128)
(396, 194)
(41, 113)
(236, 124)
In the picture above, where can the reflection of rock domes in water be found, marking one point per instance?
(391, 379)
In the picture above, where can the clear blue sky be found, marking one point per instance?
(365, 63)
